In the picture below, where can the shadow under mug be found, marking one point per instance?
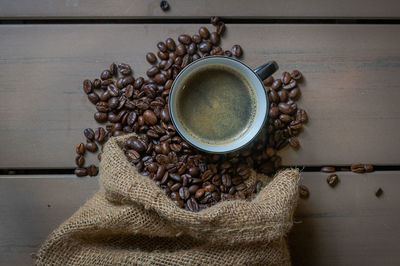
(255, 77)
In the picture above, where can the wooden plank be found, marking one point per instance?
(26, 217)
(192, 8)
(350, 89)
(346, 225)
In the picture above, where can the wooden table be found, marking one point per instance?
(348, 51)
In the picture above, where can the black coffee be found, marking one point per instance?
(216, 104)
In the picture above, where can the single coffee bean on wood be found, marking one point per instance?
(328, 169)
(304, 192)
(332, 180)
(378, 192)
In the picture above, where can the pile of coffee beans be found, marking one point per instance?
(193, 179)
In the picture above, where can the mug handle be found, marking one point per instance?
(266, 70)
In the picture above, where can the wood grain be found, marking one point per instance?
(350, 91)
(346, 225)
(45, 9)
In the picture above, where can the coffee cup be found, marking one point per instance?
(218, 104)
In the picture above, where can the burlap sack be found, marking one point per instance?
(130, 221)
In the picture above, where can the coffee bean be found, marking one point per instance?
(294, 94)
(214, 38)
(296, 75)
(132, 156)
(285, 118)
(237, 50)
(162, 46)
(151, 72)
(286, 78)
(204, 33)
(160, 79)
(91, 146)
(217, 51)
(80, 172)
(79, 160)
(205, 47)
(368, 168)
(136, 144)
(180, 49)
(302, 116)
(100, 135)
(106, 74)
(89, 133)
(164, 5)
(92, 170)
(150, 117)
(228, 53)
(220, 27)
(100, 117)
(196, 39)
(199, 193)
(102, 107)
(185, 61)
(113, 103)
(192, 49)
(162, 56)
(184, 39)
(93, 97)
(283, 95)
(294, 142)
(378, 192)
(96, 84)
(328, 169)
(332, 180)
(80, 149)
(175, 177)
(358, 168)
(214, 20)
(285, 108)
(184, 193)
(290, 86)
(124, 69)
(87, 86)
(273, 96)
(192, 205)
(276, 84)
(303, 192)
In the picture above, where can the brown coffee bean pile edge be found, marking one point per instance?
(193, 179)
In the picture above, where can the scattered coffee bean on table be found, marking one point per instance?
(303, 192)
(362, 168)
(194, 180)
(378, 192)
(328, 169)
(332, 180)
(164, 5)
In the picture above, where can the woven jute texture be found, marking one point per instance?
(131, 222)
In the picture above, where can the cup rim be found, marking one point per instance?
(188, 139)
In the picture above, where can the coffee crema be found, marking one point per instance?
(216, 104)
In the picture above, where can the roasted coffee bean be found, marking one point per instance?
(214, 20)
(87, 86)
(163, 55)
(161, 46)
(276, 84)
(196, 39)
(286, 78)
(175, 187)
(273, 96)
(214, 38)
(92, 170)
(192, 48)
(80, 149)
(237, 50)
(100, 135)
(294, 142)
(358, 168)
(332, 180)
(79, 160)
(328, 169)
(160, 79)
(378, 192)
(151, 72)
(113, 103)
(192, 205)
(180, 49)
(268, 81)
(106, 74)
(150, 117)
(303, 192)
(138, 83)
(290, 86)
(302, 116)
(170, 43)
(114, 69)
(274, 112)
(93, 97)
(80, 172)
(124, 69)
(184, 39)
(368, 168)
(285, 108)
(132, 156)
(136, 144)
(185, 61)
(102, 107)
(283, 95)
(217, 51)
(205, 47)
(199, 193)
(164, 5)
(296, 75)
(220, 27)
(91, 146)
(89, 133)
(96, 84)
(228, 53)
(204, 33)
(105, 95)
(184, 193)
(294, 94)
(175, 177)
(100, 117)
(285, 118)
